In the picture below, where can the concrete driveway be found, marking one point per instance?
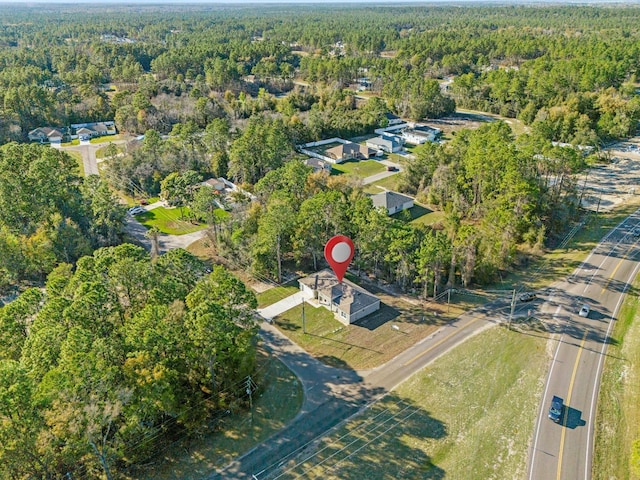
(268, 313)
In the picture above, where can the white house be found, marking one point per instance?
(346, 300)
(419, 134)
(386, 142)
(392, 202)
(393, 119)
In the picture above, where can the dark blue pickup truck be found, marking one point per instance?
(555, 410)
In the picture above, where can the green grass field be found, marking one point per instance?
(106, 139)
(275, 404)
(387, 183)
(275, 294)
(168, 220)
(102, 151)
(618, 420)
(467, 416)
(359, 168)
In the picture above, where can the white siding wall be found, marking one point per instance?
(364, 312)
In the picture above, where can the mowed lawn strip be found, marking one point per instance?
(275, 404)
(359, 168)
(467, 416)
(169, 220)
(618, 417)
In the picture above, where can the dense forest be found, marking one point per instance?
(571, 70)
(109, 353)
(116, 356)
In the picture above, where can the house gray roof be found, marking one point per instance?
(392, 118)
(422, 131)
(389, 200)
(386, 140)
(47, 131)
(317, 164)
(349, 297)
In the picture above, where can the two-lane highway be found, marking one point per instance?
(563, 450)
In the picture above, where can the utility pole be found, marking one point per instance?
(513, 307)
(448, 300)
(249, 392)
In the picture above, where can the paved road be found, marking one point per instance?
(333, 395)
(88, 152)
(564, 451)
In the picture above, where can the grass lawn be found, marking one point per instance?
(371, 341)
(387, 183)
(467, 416)
(618, 417)
(359, 168)
(102, 151)
(277, 402)
(428, 218)
(275, 294)
(107, 139)
(78, 157)
(168, 220)
(71, 143)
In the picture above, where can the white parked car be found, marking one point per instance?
(584, 311)
(136, 210)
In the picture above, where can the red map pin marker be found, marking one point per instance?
(338, 252)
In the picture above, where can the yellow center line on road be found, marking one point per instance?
(440, 342)
(624, 257)
(564, 419)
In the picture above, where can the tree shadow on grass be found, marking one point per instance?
(382, 442)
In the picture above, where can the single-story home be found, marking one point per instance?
(347, 151)
(420, 134)
(386, 142)
(393, 119)
(318, 165)
(86, 131)
(46, 134)
(348, 301)
(392, 202)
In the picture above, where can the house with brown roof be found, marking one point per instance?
(46, 134)
(347, 151)
(348, 301)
